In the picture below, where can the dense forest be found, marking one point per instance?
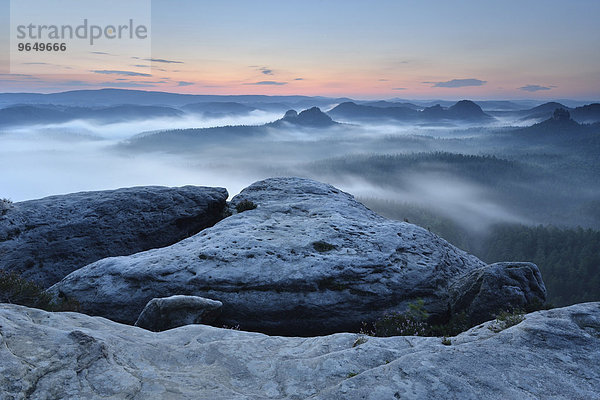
(544, 188)
(568, 258)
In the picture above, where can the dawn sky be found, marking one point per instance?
(376, 49)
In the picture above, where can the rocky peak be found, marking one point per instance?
(290, 115)
(312, 117)
(561, 115)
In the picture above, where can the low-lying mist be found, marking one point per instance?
(446, 170)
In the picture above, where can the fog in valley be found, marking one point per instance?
(461, 171)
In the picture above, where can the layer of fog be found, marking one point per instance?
(124, 130)
(470, 206)
(79, 156)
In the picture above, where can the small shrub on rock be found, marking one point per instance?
(414, 323)
(458, 323)
(5, 206)
(399, 325)
(245, 205)
(16, 290)
(507, 319)
(322, 246)
(411, 323)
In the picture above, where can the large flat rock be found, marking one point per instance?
(309, 259)
(46, 239)
(550, 355)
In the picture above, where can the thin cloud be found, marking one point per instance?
(19, 78)
(266, 83)
(535, 88)
(159, 60)
(182, 83)
(262, 70)
(299, 79)
(45, 63)
(115, 72)
(100, 53)
(384, 80)
(399, 88)
(162, 60)
(457, 83)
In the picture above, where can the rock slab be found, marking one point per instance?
(308, 260)
(46, 239)
(552, 354)
(175, 311)
(500, 286)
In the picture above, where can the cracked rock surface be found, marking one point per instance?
(44, 240)
(551, 354)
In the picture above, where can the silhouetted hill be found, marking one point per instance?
(111, 97)
(587, 114)
(186, 140)
(129, 112)
(462, 111)
(543, 111)
(434, 112)
(468, 111)
(498, 105)
(547, 107)
(30, 115)
(388, 104)
(23, 115)
(351, 110)
(558, 128)
(313, 118)
(189, 140)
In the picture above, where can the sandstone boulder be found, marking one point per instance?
(175, 311)
(308, 260)
(46, 239)
(484, 291)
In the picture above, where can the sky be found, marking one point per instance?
(534, 49)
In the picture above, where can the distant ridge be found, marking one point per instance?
(192, 138)
(559, 126)
(462, 111)
(19, 115)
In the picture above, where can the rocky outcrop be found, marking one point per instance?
(502, 286)
(175, 311)
(46, 239)
(551, 354)
(309, 259)
(311, 118)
